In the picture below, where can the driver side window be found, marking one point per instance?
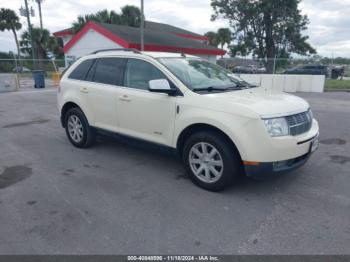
(138, 73)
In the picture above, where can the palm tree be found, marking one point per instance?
(43, 43)
(224, 36)
(130, 15)
(10, 21)
(81, 21)
(55, 46)
(108, 17)
(213, 38)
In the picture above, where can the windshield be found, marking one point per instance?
(198, 74)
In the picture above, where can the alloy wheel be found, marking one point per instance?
(75, 128)
(206, 162)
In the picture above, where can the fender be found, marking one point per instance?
(225, 122)
(68, 98)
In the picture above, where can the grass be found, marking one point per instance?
(332, 84)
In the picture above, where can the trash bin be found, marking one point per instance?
(337, 72)
(39, 78)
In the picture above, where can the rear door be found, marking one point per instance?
(102, 91)
(77, 85)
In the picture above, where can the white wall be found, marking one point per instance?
(88, 43)
(288, 83)
(92, 41)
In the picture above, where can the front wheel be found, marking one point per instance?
(78, 130)
(211, 161)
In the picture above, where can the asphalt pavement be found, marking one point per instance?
(125, 198)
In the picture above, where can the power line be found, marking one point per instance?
(142, 26)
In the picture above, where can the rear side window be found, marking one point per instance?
(80, 72)
(109, 71)
(138, 73)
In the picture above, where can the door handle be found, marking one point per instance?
(124, 98)
(84, 90)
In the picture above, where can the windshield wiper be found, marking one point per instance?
(241, 85)
(245, 85)
(210, 88)
(237, 86)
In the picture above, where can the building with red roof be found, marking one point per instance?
(158, 37)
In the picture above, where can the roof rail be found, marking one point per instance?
(118, 49)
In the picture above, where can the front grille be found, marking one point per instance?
(299, 123)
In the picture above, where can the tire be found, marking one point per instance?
(195, 161)
(80, 134)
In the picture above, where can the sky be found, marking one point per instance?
(329, 28)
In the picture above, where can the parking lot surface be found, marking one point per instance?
(124, 198)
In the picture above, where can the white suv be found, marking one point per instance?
(220, 125)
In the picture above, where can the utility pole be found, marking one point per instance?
(40, 16)
(274, 64)
(142, 26)
(27, 13)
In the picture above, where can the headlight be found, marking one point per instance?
(277, 126)
(311, 115)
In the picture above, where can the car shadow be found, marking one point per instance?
(165, 157)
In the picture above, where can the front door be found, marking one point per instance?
(141, 113)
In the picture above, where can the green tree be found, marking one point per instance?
(224, 36)
(213, 38)
(10, 21)
(43, 42)
(266, 28)
(102, 16)
(7, 65)
(55, 46)
(130, 15)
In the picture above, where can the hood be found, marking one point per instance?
(264, 102)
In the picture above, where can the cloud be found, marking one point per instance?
(329, 29)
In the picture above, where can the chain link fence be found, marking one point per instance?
(331, 69)
(20, 72)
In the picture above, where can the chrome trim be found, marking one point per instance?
(265, 117)
(302, 123)
(308, 140)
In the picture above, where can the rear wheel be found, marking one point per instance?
(211, 161)
(79, 133)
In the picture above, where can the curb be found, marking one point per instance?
(337, 90)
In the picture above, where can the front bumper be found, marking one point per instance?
(264, 170)
(268, 169)
(255, 144)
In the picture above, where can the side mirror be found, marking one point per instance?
(160, 86)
